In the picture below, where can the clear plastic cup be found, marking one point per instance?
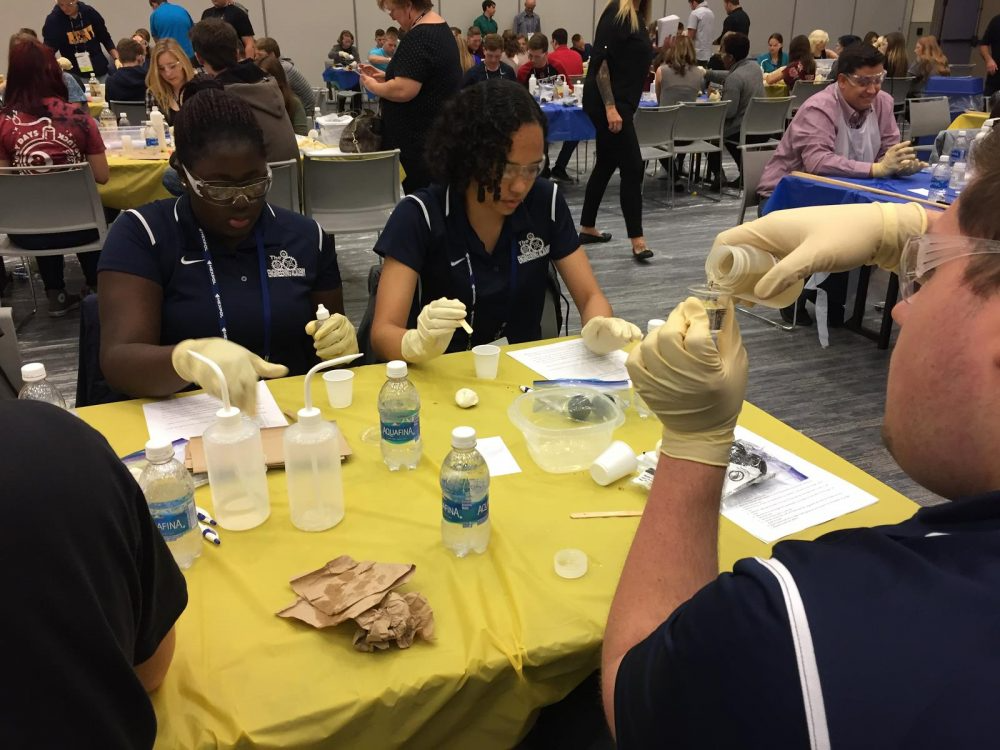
(339, 387)
(616, 462)
(487, 358)
(716, 305)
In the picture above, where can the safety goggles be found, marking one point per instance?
(227, 193)
(923, 254)
(866, 81)
(527, 171)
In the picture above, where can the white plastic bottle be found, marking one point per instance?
(169, 492)
(736, 269)
(399, 417)
(533, 86)
(317, 113)
(159, 125)
(465, 496)
(237, 472)
(940, 178)
(640, 406)
(37, 388)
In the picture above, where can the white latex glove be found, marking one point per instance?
(240, 366)
(436, 325)
(899, 159)
(694, 386)
(828, 238)
(335, 337)
(604, 335)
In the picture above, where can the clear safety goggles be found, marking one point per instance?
(866, 81)
(923, 254)
(527, 171)
(228, 193)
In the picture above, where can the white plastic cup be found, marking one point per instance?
(339, 387)
(616, 462)
(487, 357)
(126, 144)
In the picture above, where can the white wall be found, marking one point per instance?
(306, 29)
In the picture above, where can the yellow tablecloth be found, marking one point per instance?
(776, 90)
(95, 108)
(511, 635)
(133, 183)
(969, 121)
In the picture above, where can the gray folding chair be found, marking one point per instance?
(26, 207)
(134, 111)
(352, 192)
(764, 115)
(702, 125)
(928, 116)
(755, 158)
(654, 128)
(284, 190)
(899, 89)
(801, 92)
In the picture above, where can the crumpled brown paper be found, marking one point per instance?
(344, 589)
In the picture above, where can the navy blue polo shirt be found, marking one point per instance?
(161, 242)
(865, 638)
(503, 291)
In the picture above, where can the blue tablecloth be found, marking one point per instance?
(572, 123)
(798, 192)
(342, 78)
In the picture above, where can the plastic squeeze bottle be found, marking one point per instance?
(736, 269)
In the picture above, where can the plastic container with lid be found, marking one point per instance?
(566, 428)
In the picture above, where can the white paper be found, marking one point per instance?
(189, 416)
(794, 500)
(922, 192)
(572, 359)
(498, 457)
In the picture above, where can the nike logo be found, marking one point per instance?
(187, 262)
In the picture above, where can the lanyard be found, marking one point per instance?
(511, 291)
(265, 292)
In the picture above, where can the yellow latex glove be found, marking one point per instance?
(899, 159)
(828, 238)
(334, 337)
(694, 386)
(240, 366)
(604, 335)
(436, 325)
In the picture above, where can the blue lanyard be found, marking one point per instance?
(265, 292)
(512, 290)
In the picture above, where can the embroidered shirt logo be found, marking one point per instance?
(532, 248)
(284, 266)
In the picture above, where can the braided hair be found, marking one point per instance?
(211, 117)
(473, 134)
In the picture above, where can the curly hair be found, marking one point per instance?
(211, 117)
(474, 131)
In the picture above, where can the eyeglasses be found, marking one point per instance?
(527, 171)
(227, 193)
(866, 81)
(924, 254)
(168, 67)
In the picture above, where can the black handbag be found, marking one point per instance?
(363, 134)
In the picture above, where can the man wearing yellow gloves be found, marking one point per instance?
(847, 130)
(878, 637)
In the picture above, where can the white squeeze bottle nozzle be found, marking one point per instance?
(737, 269)
(322, 313)
(312, 462)
(237, 470)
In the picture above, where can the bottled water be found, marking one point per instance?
(150, 132)
(169, 493)
(107, 119)
(959, 150)
(399, 415)
(123, 121)
(940, 178)
(958, 173)
(465, 496)
(94, 87)
(37, 388)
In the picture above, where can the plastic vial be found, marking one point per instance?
(736, 269)
(399, 416)
(640, 406)
(465, 496)
(312, 468)
(237, 473)
(169, 492)
(37, 388)
(940, 178)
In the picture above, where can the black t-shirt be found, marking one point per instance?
(991, 39)
(479, 73)
(628, 53)
(89, 586)
(427, 54)
(234, 16)
(738, 21)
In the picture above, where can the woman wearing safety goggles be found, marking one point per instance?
(217, 271)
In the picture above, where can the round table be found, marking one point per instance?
(96, 107)
(134, 182)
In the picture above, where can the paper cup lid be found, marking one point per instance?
(570, 563)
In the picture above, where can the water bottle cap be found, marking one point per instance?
(463, 437)
(33, 371)
(159, 450)
(396, 369)
(944, 158)
(653, 323)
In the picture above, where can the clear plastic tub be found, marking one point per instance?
(565, 428)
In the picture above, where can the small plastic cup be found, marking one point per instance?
(617, 461)
(339, 387)
(126, 145)
(714, 301)
(487, 358)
